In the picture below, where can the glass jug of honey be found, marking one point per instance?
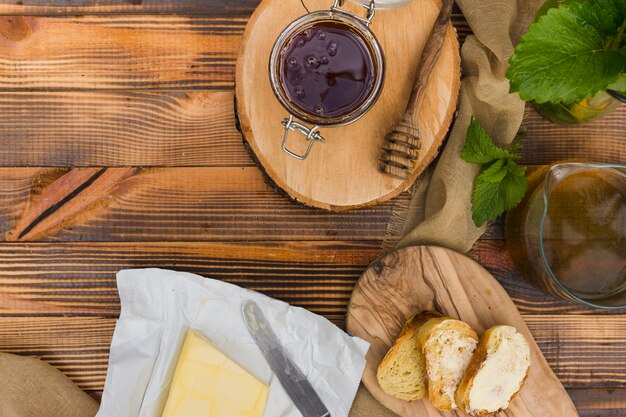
(568, 236)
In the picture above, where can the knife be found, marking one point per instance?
(290, 376)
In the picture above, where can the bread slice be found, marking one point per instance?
(402, 373)
(496, 373)
(447, 345)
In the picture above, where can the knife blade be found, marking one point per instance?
(290, 376)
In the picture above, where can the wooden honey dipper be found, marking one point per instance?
(402, 143)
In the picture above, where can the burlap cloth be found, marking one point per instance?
(32, 388)
(438, 214)
(440, 211)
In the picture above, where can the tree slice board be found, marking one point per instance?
(400, 284)
(342, 173)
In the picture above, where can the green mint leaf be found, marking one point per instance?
(502, 183)
(490, 199)
(514, 185)
(617, 8)
(619, 85)
(485, 202)
(565, 56)
(495, 171)
(479, 148)
(549, 4)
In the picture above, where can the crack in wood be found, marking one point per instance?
(53, 208)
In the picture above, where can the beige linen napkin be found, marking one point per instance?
(440, 211)
(32, 388)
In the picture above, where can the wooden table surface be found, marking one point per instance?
(118, 149)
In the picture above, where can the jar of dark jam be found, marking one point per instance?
(326, 69)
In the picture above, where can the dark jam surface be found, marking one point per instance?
(327, 70)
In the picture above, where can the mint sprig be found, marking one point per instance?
(502, 183)
(571, 52)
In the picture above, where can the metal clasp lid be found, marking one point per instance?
(312, 136)
(371, 10)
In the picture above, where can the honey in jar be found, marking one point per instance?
(327, 70)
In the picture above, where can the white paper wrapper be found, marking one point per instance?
(159, 307)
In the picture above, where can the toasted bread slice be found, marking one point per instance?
(496, 373)
(402, 373)
(447, 345)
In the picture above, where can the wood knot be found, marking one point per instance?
(15, 28)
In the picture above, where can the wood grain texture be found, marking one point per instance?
(342, 172)
(68, 7)
(167, 204)
(127, 7)
(118, 52)
(79, 346)
(601, 338)
(58, 299)
(39, 279)
(599, 402)
(197, 128)
(603, 140)
(404, 282)
(65, 278)
(96, 128)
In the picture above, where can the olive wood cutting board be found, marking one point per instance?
(400, 284)
(342, 173)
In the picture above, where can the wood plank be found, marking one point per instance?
(197, 128)
(78, 278)
(118, 52)
(599, 402)
(583, 349)
(67, 7)
(78, 346)
(168, 204)
(603, 140)
(186, 7)
(191, 128)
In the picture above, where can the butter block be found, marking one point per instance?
(208, 384)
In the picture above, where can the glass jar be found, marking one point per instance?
(568, 236)
(582, 111)
(326, 69)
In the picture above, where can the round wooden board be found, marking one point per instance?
(342, 173)
(400, 284)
